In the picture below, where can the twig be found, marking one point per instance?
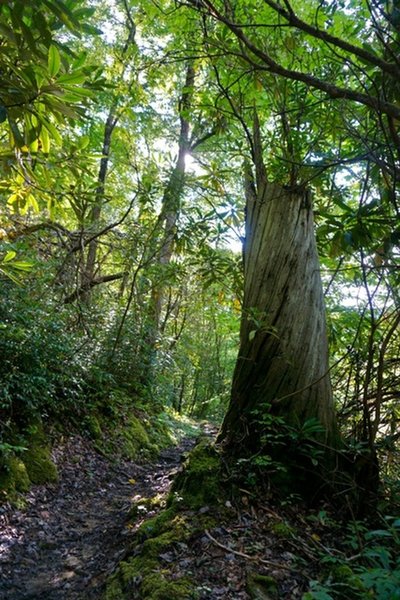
(268, 563)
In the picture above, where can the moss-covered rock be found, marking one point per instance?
(39, 466)
(177, 531)
(135, 441)
(143, 576)
(130, 437)
(157, 586)
(34, 465)
(156, 525)
(199, 482)
(13, 477)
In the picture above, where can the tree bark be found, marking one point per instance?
(89, 267)
(282, 368)
(283, 357)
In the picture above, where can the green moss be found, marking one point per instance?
(92, 425)
(162, 435)
(148, 580)
(35, 434)
(177, 531)
(39, 465)
(113, 590)
(155, 586)
(34, 465)
(156, 525)
(134, 439)
(20, 475)
(13, 477)
(283, 530)
(144, 573)
(261, 587)
(199, 482)
(343, 574)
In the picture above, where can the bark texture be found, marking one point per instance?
(283, 356)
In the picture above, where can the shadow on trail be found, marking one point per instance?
(73, 534)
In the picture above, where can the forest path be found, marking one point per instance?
(73, 534)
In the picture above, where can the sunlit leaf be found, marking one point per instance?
(54, 61)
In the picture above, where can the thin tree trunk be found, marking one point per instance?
(89, 268)
(171, 204)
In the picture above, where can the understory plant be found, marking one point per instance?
(368, 566)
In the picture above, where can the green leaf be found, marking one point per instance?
(52, 130)
(18, 139)
(79, 61)
(83, 142)
(3, 114)
(76, 94)
(75, 77)
(9, 274)
(53, 61)
(41, 23)
(90, 29)
(9, 256)
(63, 13)
(23, 266)
(45, 140)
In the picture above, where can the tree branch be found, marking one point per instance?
(270, 65)
(89, 285)
(320, 34)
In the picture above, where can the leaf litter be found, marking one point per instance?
(71, 536)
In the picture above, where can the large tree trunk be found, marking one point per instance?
(282, 367)
(283, 357)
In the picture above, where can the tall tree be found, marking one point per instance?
(171, 204)
(282, 362)
(282, 365)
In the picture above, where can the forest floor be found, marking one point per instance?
(72, 535)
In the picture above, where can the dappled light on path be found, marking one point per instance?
(72, 535)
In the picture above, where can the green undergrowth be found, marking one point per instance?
(118, 425)
(199, 483)
(365, 564)
(146, 574)
(340, 559)
(121, 426)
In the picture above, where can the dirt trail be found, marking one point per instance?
(74, 533)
